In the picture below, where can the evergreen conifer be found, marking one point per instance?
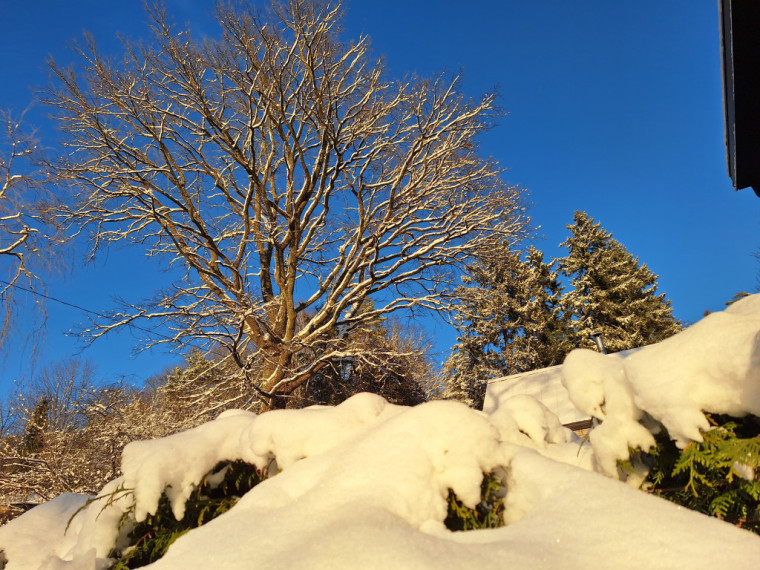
(37, 425)
(509, 320)
(612, 293)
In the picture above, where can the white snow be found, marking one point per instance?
(544, 385)
(712, 366)
(364, 484)
(744, 471)
(40, 533)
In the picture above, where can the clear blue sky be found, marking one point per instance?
(613, 107)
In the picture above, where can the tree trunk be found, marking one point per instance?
(273, 371)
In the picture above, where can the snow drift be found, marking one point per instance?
(365, 484)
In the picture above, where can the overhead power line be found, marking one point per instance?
(80, 308)
(101, 315)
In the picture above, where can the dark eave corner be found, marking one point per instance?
(740, 51)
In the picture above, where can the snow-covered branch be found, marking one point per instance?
(26, 231)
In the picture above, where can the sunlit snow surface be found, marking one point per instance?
(364, 484)
(713, 365)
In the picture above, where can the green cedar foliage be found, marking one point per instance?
(150, 539)
(612, 292)
(489, 513)
(709, 476)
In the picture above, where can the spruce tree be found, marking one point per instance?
(509, 321)
(36, 426)
(612, 293)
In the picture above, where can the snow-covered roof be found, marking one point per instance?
(545, 385)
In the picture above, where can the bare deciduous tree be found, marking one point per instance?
(42, 453)
(286, 174)
(25, 230)
(62, 432)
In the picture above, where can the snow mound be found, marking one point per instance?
(712, 366)
(524, 420)
(40, 533)
(365, 484)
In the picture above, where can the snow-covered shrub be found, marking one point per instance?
(367, 485)
(218, 491)
(681, 416)
(717, 476)
(488, 513)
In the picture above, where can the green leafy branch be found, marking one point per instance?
(717, 476)
(489, 513)
(217, 493)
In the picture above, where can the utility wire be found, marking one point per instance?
(80, 308)
(101, 315)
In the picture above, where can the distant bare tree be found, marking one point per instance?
(389, 359)
(200, 389)
(25, 228)
(62, 432)
(43, 453)
(287, 175)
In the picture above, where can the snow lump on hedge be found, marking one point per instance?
(365, 484)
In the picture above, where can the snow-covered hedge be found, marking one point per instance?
(369, 485)
(711, 367)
